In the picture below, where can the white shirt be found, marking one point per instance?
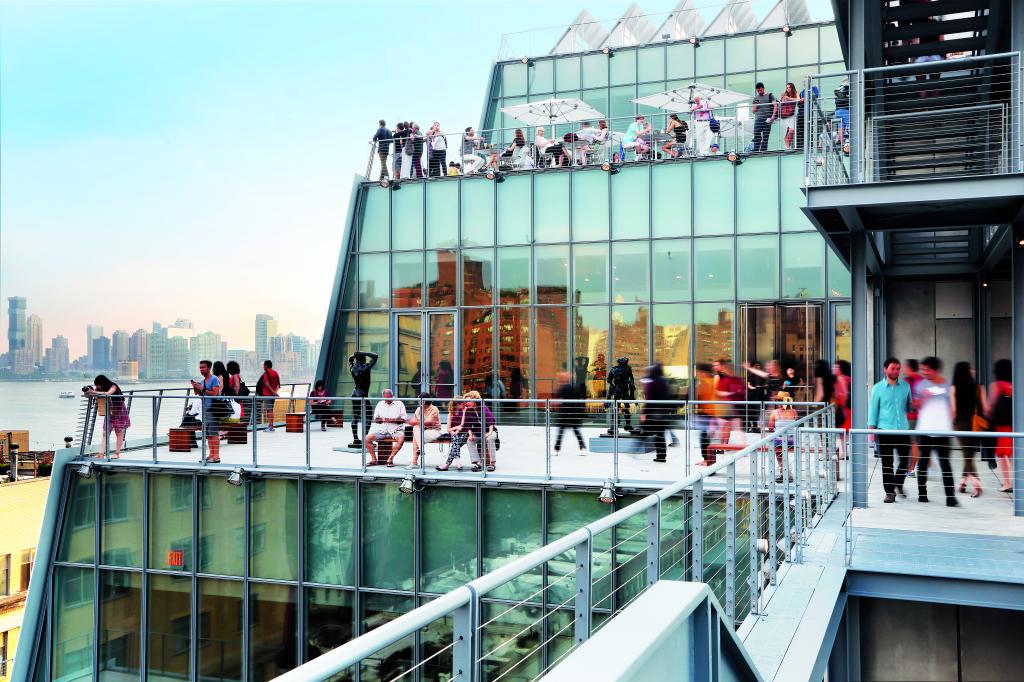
(396, 410)
(935, 413)
(437, 140)
(586, 134)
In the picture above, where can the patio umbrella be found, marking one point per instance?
(552, 111)
(680, 99)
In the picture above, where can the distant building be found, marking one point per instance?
(128, 370)
(156, 352)
(57, 357)
(17, 334)
(266, 328)
(92, 332)
(101, 354)
(120, 346)
(137, 348)
(34, 338)
(178, 357)
(205, 346)
(248, 361)
(22, 364)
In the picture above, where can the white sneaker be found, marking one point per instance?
(411, 467)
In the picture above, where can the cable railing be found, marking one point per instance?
(496, 626)
(933, 118)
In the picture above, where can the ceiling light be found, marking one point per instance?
(607, 495)
(608, 51)
(235, 478)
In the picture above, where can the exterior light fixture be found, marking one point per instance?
(607, 495)
(695, 41)
(408, 485)
(67, 441)
(788, 30)
(1020, 243)
(85, 470)
(495, 175)
(395, 185)
(609, 167)
(235, 478)
(385, 183)
(608, 51)
(734, 159)
(984, 284)
(525, 60)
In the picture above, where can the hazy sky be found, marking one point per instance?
(165, 160)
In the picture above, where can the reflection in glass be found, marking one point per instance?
(442, 215)
(713, 260)
(477, 276)
(441, 278)
(714, 327)
(390, 662)
(629, 333)
(344, 345)
(758, 334)
(801, 337)
(121, 532)
(373, 219)
(514, 274)
(590, 339)
(838, 276)
(409, 354)
(440, 367)
(169, 654)
(671, 193)
(803, 265)
(221, 527)
(407, 279)
(568, 511)
(273, 630)
(72, 623)
(273, 529)
(407, 217)
(551, 341)
(590, 273)
(671, 270)
(330, 619)
(170, 522)
(518, 631)
(330, 525)
(477, 350)
(552, 273)
(758, 267)
(477, 212)
(589, 205)
(78, 532)
(120, 624)
(373, 281)
(567, 73)
(672, 339)
(713, 188)
(220, 629)
(514, 353)
(447, 538)
(595, 71)
(843, 332)
(758, 209)
(551, 206)
(373, 336)
(514, 210)
(512, 528)
(387, 525)
(629, 272)
(541, 76)
(631, 203)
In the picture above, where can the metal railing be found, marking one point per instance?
(936, 117)
(689, 530)
(493, 149)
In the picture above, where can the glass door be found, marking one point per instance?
(842, 330)
(441, 354)
(789, 333)
(408, 362)
(425, 354)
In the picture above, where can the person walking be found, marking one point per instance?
(968, 401)
(382, 138)
(913, 377)
(568, 414)
(426, 427)
(110, 403)
(765, 110)
(654, 417)
(438, 144)
(267, 386)
(887, 410)
(1000, 405)
(934, 413)
(208, 389)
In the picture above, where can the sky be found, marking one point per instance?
(174, 159)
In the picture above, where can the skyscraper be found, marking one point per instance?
(119, 346)
(101, 353)
(137, 349)
(156, 352)
(266, 328)
(177, 357)
(205, 346)
(16, 326)
(57, 356)
(34, 338)
(92, 332)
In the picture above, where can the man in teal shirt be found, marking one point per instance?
(890, 402)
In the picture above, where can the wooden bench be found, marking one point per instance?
(715, 449)
(181, 439)
(294, 422)
(238, 433)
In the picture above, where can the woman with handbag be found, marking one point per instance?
(1000, 417)
(968, 401)
(787, 114)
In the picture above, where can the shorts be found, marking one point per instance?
(386, 431)
(844, 116)
(789, 123)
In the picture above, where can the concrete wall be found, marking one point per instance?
(931, 318)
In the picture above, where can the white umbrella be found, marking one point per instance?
(552, 111)
(681, 99)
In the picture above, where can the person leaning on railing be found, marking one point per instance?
(382, 138)
(470, 160)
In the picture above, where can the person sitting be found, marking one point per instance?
(388, 424)
(458, 433)
(429, 417)
(453, 170)
(677, 129)
(781, 417)
(470, 142)
(585, 137)
(552, 148)
(478, 421)
(510, 154)
(320, 405)
(636, 136)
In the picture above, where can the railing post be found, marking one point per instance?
(547, 439)
(697, 532)
(786, 492)
(615, 439)
(819, 452)
(254, 419)
(772, 506)
(584, 593)
(798, 501)
(654, 543)
(730, 543)
(155, 411)
(754, 579)
(308, 427)
(464, 629)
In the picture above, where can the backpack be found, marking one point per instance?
(243, 390)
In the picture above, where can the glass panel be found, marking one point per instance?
(513, 79)
(78, 535)
(373, 281)
(802, 46)
(436, 647)
(567, 73)
(120, 624)
(843, 332)
(629, 272)
(671, 258)
(551, 207)
(598, 99)
(374, 335)
(373, 219)
(590, 273)
(514, 275)
(791, 176)
(758, 207)
(552, 273)
(739, 53)
(273, 529)
(170, 522)
(839, 283)
(514, 210)
(655, 116)
(447, 538)
(387, 525)
(407, 217)
(442, 354)
(477, 353)
(713, 260)
(714, 328)
(710, 58)
(742, 82)
(511, 529)
(590, 205)
(390, 662)
(623, 67)
(758, 334)
(72, 623)
(330, 525)
(771, 50)
(672, 340)
(590, 331)
(477, 276)
(169, 629)
(631, 203)
(650, 64)
(671, 199)
(442, 213)
(595, 71)
(343, 346)
(477, 212)
(409, 355)
(713, 187)
(551, 345)
(514, 635)
(680, 61)
(803, 265)
(348, 293)
(221, 527)
(273, 630)
(441, 278)
(514, 353)
(330, 621)
(630, 333)
(801, 338)
(407, 279)
(831, 51)
(621, 107)
(541, 76)
(758, 269)
(568, 511)
(121, 532)
(220, 629)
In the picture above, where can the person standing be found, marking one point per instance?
(1000, 405)
(765, 110)
(115, 413)
(438, 150)
(654, 418)
(268, 385)
(568, 413)
(398, 158)
(789, 102)
(935, 413)
(701, 112)
(887, 410)
(382, 138)
(416, 138)
(968, 403)
(912, 377)
(208, 389)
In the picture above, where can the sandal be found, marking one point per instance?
(373, 463)
(441, 468)
(213, 460)
(477, 467)
(490, 467)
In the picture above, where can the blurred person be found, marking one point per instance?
(655, 412)
(568, 414)
(913, 377)
(1000, 417)
(935, 413)
(968, 400)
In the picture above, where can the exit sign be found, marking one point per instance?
(176, 558)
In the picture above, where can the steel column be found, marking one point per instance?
(1017, 286)
(860, 334)
(584, 593)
